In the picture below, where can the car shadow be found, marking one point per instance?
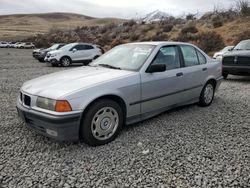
(238, 78)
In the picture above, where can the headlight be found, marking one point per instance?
(53, 105)
(48, 104)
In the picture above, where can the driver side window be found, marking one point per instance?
(169, 56)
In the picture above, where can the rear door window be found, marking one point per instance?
(88, 47)
(189, 55)
(201, 58)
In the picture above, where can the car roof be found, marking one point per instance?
(248, 40)
(156, 43)
(83, 43)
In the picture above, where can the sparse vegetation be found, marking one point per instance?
(210, 41)
(242, 36)
(243, 7)
(211, 32)
(189, 29)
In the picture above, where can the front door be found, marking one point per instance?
(161, 90)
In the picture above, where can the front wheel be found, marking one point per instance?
(207, 94)
(65, 61)
(102, 122)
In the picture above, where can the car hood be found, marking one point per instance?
(63, 83)
(237, 53)
(55, 51)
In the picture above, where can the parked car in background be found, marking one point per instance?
(40, 54)
(237, 61)
(11, 44)
(27, 45)
(73, 53)
(128, 84)
(17, 44)
(4, 44)
(219, 55)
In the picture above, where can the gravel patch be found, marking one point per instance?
(186, 147)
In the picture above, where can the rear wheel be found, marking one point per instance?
(207, 94)
(225, 75)
(65, 61)
(102, 122)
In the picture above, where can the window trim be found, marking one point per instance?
(197, 51)
(177, 48)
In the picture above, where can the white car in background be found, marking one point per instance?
(26, 45)
(74, 53)
(17, 44)
(4, 44)
(219, 55)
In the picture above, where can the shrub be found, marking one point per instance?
(189, 29)
(242, 36)
(168, 27)
(186, 37)
(116, 42)
(217, 23)
(134, 37)
(190, 17)
(243, 7)
(210, 41)
(160, 37)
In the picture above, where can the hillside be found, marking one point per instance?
(20, 26)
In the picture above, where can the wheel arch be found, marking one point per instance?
(67, 57)
(213, 81)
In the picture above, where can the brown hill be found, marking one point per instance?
(19, 26)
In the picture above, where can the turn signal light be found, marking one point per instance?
(63, 106)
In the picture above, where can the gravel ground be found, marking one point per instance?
(186, 147)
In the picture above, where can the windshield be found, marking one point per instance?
(68, 46)
(243, 45)
(54, 47)
(226, 49)
(126, 57)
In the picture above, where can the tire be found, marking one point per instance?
(207, 94)
(225, 75)
(102, 122)
(95, 57)
(65, 61)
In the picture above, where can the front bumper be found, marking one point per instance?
(236, 70)
(61, 128)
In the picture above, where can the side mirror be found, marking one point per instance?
(230, 49)
(74, 50)
(156, 68)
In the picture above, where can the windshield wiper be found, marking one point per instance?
(109, 66)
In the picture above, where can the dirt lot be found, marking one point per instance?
(186, 147)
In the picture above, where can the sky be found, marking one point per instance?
(112, 8)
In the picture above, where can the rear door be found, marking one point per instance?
(87, 52)
(194, 73)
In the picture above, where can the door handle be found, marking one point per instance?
(179, 74)
(204, 69)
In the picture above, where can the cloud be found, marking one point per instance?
(110, 8)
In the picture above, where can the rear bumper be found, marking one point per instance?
(236, 70)
(61, 128)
